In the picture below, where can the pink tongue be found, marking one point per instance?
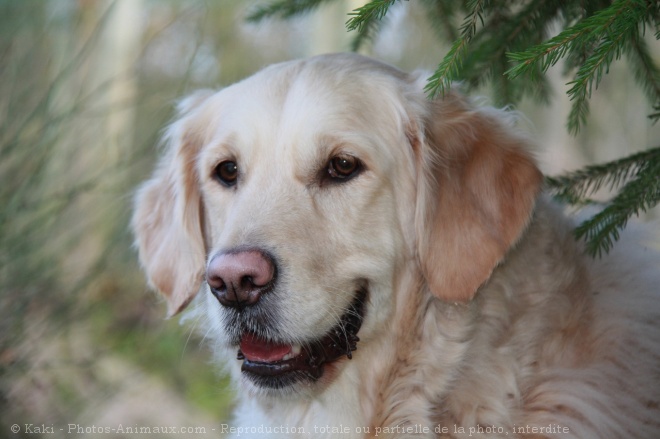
(262, 351)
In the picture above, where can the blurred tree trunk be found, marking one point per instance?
(96, 91)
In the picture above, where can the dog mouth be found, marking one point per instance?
(276, 365)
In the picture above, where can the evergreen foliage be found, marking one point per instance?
(638, 176)
(285, 9)
(366, 21)
(508, 43)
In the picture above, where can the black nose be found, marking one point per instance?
(238, 279)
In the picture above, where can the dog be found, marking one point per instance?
(372, 263)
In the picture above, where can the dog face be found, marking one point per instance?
(296, 200)
(293, 177)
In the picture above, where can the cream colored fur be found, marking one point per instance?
(483, 313)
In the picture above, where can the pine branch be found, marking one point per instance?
(569, 40)
(621, 25)
(576, 186)
(607, 32)
(655, 116)
(638, 176)
(640, 194)
(366, 21)
(449, 69)
(645, 71)
(547, 54)
(284, 9)
(577, 117)
(487, 57)
(373, 11)
(578, 56)
(476, 8)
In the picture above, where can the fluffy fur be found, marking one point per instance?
(484, 316)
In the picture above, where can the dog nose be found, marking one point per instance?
(238, 279)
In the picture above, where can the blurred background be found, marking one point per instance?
(86, 87)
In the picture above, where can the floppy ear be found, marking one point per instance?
(167, 218)
(476, 194)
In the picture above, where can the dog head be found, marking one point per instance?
(294, 200)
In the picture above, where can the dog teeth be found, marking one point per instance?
(295, 350)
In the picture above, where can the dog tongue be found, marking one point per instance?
(259, 350)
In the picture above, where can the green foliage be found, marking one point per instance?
(366, 21)
(639, 178)
(451, 65)
(597, 40)
(284, 9)
(69, 279)
(509, 45)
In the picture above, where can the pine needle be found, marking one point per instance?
(575, 187)
(637, 176)
(284, 9)
(366, 21)
(639, 194)
(656, 115)
(569, 40)
(449, 69)
(364, 16)
(646, 72)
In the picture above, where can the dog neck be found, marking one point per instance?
(427, 378)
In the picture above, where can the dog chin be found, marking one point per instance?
(291, 388)
(278, 368)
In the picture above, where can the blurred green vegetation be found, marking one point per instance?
(86, 89)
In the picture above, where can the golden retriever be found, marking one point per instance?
(371, 263)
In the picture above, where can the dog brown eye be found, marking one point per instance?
(227, 173)
(343, 167)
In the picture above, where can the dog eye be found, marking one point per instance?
(343, 167)
(227, 173)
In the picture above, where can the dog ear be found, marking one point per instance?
(476, 194)
(168, 215)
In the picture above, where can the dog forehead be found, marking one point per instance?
(289, 107)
